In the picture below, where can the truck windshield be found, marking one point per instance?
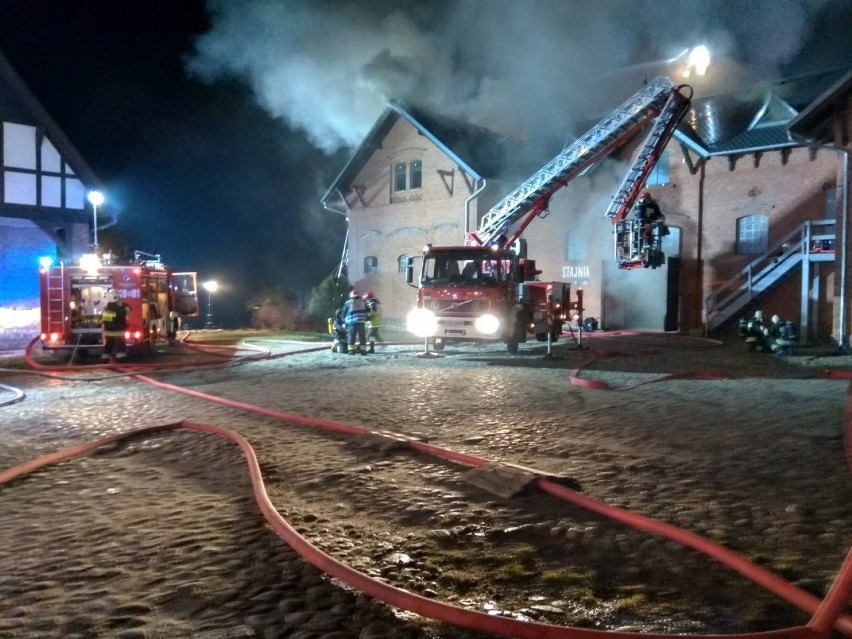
(460, 269)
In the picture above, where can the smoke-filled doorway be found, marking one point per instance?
(645, 299)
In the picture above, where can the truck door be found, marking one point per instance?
(185, 289)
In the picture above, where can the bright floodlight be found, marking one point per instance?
(90, 262)
(45, 262)
(698, 61)
(210, 286)
(96, 198)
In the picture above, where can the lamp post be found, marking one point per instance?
(210, 286)
(96, 198)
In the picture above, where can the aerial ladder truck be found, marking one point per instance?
(485, 291)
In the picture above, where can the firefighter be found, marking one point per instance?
(756, 333)
(337, 329)
(355, 316)
(114, 323)
(650, 216)
(374, 321)
(779, 336)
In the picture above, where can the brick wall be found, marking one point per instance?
(703, 208)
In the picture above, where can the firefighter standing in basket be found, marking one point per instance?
(355, 316)
(114, 323)
(374, 321)
(649, 215)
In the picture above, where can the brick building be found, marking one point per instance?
(43, 206)
(754, 187)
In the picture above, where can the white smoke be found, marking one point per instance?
(327, 67)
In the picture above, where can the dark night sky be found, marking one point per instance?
(201, 174)
(216, 126)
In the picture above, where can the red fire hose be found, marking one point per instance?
(827, 614)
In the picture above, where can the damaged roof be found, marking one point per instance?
(752, 119)
(478, 151)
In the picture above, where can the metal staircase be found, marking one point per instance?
(806, 244)
(533, 195)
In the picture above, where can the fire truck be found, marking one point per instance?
(487, 290)
(73, 297)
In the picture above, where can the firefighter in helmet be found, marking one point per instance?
(756, 333)
(649, 215)
(780, 336)
(114, 323)
(374, 321)
(355, 317)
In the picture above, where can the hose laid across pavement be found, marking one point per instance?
(827, 615)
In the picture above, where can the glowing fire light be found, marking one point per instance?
(697, 61)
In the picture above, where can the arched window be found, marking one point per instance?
(371, 265)
(752, 234)
(399, 171)
(402, 262)
(416, 172)
(671, 242)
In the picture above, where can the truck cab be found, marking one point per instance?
(478, 294)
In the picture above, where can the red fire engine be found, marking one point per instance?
(499, 299)
(73, 297)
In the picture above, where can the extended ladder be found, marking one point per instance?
(662, 131)
(533, 196)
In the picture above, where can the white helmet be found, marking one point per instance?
(776, 319)
(112, 295)
(758, 315)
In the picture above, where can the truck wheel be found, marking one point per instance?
(512, 345)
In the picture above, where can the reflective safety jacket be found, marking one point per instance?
(354, 311)
(374, 314)
(114, 317)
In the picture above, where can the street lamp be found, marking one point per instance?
(210, 286)
(96, 198)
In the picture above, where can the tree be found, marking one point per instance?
(329, 295)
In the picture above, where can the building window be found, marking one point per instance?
(416, 173)
(407, 176)
(752, 234)
(671, 242)
(371, 265)
(830, 202)
(402, 262)
(659, 175)
(576, 247)
(399, 171)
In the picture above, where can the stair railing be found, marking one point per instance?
(765, 270)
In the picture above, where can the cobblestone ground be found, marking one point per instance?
(160, 537)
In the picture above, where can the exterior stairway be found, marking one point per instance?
(812, 242)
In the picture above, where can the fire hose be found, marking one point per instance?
(826, 614)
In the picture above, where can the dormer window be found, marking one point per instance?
(407, 176)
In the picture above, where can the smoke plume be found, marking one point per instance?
(535, 68)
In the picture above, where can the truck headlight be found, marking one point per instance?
(422, 322)
(487, 324)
